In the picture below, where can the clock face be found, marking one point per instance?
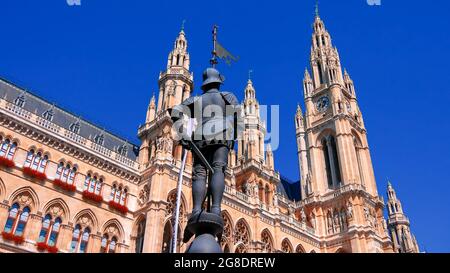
(322, 104)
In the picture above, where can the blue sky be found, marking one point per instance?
(101, 60)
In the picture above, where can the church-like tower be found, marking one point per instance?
(398, 225)
(334, 156)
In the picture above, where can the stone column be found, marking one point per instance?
(33, 227)
(122, 248)
(154, 228)
(64, 238)
(4, 211)
(94, 244)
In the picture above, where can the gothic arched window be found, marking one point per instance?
(140, 236)
(93, 185)
(36, 161)
(266, 239)
(331, 158)
(241, 236)
(66, 173)
(50, 230)
(80, 239)
(8, 149)
(21, 222)
(108, 246)
(286, 246)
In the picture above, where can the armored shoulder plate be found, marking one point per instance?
(230, 98)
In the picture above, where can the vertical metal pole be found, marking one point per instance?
(177, 212)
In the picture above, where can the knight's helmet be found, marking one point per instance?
(212, 75)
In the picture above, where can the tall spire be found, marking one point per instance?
(317, 8)
(182, 25)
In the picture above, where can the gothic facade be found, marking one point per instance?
(66, 185)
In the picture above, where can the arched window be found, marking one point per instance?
(50, 230)
(66, 173)
(267, 196)
(326, 156)
(8, 149)
(267, 242)
(167, 243)
(242, 235)
(261, 193)
(319, 68)
(36, 161)
(140, 236)
(286, 246)
(93, 185)
(22, 221)
(80, 239)
(331, 162)
(12, 218)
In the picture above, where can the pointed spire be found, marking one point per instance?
(151, 111)
(307, 75)
(250, 90)
(317, 8)
(389, 185)
(182, 26)
(299, 110)
(152, 101)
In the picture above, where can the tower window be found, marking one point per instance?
(319, 68)
(327, 163)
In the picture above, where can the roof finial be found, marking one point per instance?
(182, 24)
(317, 8)
(250, 74)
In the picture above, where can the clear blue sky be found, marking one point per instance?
(101, 60)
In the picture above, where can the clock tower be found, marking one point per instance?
(338, 188)
(335, 142)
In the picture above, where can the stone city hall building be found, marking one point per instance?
(67, 185)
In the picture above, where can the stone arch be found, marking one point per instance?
(25, 196)
(167, 239)
(227, 235)
(324, 133)
(241, 248)
(242, 233)
(2, 190)
(113, 228)
(300, 249)
(86, 218)
(341, 250)
(267, 240)
(57, 208)
(286, 246)
(312, 251)
(171, 204)
(138, 233)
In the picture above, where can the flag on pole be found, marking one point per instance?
(225, 54)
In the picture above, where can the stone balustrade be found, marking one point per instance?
(67, 135)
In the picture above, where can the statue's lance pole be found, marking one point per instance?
(190, 129)
(213, 60)
(177, 211)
